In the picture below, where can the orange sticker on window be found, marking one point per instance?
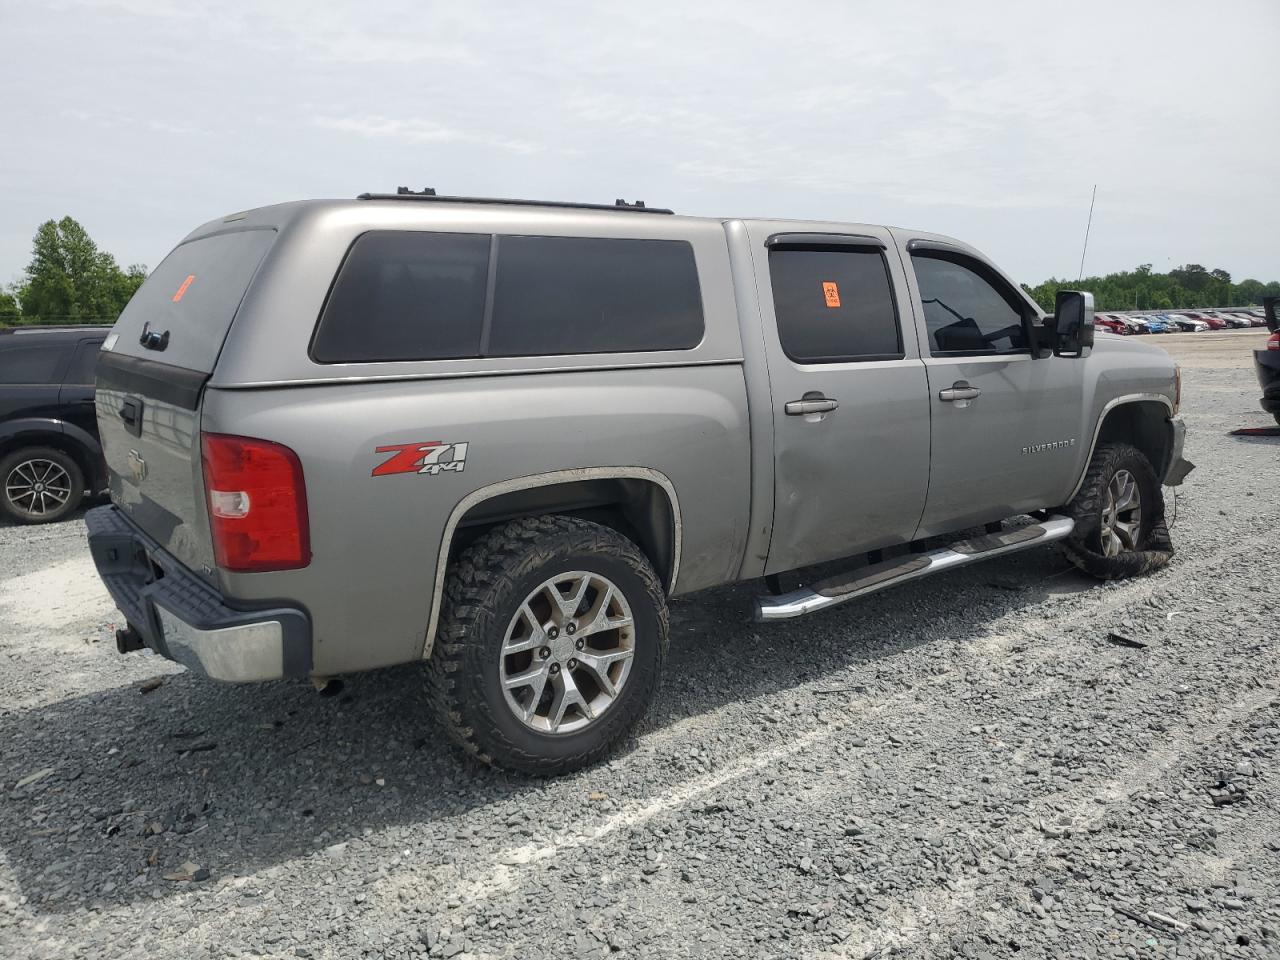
(831, 292)
(183, 289)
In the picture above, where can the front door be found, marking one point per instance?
(850, 399)
(1005, 424)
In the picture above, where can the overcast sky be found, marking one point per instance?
(144, 118)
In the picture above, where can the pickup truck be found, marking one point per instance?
(494, 437)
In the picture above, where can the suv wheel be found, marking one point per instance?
(1119, 513)
(41, 485)
(552, 639)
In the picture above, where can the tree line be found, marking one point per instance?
(69, 280)
(1182, 288)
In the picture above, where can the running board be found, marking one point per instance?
(865, 580)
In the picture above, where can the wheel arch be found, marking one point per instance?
(1143, 420)
(79, 445)
(638, 502)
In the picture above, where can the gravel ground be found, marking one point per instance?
(963, 767)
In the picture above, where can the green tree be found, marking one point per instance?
(69, 280)
(9, 309)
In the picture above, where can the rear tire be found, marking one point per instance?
(39, 485)
(1120, 526)
(534, 600)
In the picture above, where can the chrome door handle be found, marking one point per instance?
(960, 390)
(800, 408)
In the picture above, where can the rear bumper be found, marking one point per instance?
(1179, 466)
(180, 617)
(1267, 365)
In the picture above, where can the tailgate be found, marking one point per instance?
(151, 376)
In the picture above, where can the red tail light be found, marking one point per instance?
(1273, 342)
(257, 504)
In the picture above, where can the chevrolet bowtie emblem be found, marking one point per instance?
(137, 466)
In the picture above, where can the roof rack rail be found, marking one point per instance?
(429, 193)
(53, 328)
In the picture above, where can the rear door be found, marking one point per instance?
(31, 367)
(850, 403)
(1005, 424)
(151, 376)
(76, 398)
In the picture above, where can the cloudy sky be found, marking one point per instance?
(988, 121)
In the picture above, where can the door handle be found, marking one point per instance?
(800, 408)
(960, 390)
(131, 413)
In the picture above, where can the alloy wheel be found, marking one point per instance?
(567, 652)
(1121, 515)
(38, 487)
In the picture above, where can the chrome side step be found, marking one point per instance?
(865, 580)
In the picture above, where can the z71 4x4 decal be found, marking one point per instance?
(430, 456)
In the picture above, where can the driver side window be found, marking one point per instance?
(963, 311)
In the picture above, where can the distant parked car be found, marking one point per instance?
(1249, 319)
(1185, 323)
(1230, 319)
(1135, 324)
(1216, 322)
(1157, 325)
(1111, 323)
(49, 449)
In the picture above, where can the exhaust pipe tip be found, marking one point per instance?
(128, 640)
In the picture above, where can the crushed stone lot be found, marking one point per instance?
(1008, 760)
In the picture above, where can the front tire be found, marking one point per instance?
(1119, 518)
(39, 485)
(552, 640)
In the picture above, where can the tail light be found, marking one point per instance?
(1273, 342)
(257, 504)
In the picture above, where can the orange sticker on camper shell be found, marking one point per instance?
(831, 292)
(183, 289)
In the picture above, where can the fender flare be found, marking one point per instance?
(492, 490)
(36, 427)
(1102, 418)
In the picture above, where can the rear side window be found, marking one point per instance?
(965, 312)
(834, 305)
(35, 363)
(83, 363)
(193, 296)
(569, 295)
(403, 295)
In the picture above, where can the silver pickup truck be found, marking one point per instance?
(495, 436)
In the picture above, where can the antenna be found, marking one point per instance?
(1080, 276)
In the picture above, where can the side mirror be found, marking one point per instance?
(1072, 323)
(1271, 307)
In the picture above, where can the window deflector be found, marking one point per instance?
(824, 240)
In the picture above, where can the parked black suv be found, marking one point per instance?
(49, 449)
